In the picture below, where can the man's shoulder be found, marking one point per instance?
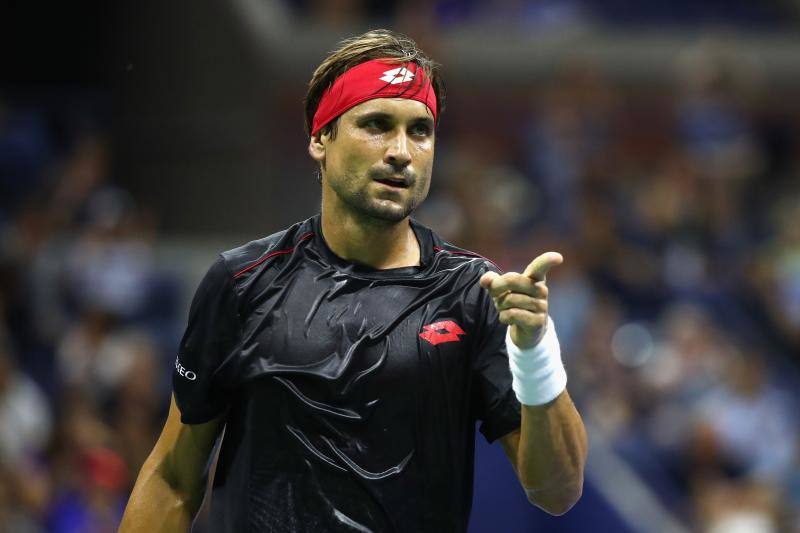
(248, 256)
(451, 254)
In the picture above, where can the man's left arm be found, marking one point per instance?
(549, 450)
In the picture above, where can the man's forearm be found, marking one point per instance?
(552, 454)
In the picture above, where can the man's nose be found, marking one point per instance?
(397, 153)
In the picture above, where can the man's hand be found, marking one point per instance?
(521, 299)
(548, 452)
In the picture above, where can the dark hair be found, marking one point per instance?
(356, 50)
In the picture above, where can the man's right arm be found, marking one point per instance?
(169, 489)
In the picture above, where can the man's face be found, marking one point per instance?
(379, 163)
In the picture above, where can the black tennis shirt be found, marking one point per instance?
(349, 394)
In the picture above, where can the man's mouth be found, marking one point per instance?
(400, 183)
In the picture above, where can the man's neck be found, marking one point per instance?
(370, 242)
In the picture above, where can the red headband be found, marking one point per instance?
(378, 78)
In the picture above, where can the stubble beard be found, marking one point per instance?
(372, 210)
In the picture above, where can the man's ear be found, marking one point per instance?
(316, 148)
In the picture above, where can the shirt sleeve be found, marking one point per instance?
(494, 401)
(208, 348)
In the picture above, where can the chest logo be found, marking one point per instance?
(443, 331)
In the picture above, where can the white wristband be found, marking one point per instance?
(538, 375)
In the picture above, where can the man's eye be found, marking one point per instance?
(421, 129)
(376, 124)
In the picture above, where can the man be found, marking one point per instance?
(349, 356)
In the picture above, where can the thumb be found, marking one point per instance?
(539, 267)
(487, 278)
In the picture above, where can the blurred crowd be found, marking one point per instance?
(678, 307)
(86, 321)
(547, 14)
(677, 210)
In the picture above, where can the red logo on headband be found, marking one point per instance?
(372, 80)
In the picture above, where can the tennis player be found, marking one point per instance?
(348, 357)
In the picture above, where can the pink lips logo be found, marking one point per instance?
(444, 331)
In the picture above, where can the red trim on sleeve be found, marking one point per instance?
(464, 252)
(302, 238)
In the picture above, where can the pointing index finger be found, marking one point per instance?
(538, 268)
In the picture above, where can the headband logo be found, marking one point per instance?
(397, 75)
